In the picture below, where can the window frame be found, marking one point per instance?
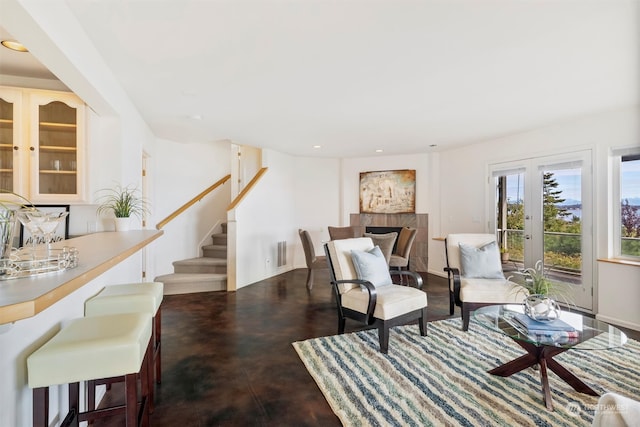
(617, 156)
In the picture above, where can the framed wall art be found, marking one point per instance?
(61, 232)
(388, 192)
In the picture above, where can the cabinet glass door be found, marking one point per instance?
(7, 134)
(57, 149)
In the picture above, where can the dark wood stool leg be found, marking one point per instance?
(146, 377)
(157, 345)
(41, 407)
(91, 395)
(131, 399)
(72, 419)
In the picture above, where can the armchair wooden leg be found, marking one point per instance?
(383, 338)
(451, 303)
(422, 322)
(466, 313)
(341, 325)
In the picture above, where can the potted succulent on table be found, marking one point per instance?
(123, 203)
(540, 303)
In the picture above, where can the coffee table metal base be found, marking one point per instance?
(543, 356)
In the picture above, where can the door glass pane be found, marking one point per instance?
(57, 149)
(510, 219)
(6, 145)
(562, 226)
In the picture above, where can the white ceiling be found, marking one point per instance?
(358, 75)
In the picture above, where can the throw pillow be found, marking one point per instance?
(371, 266)
(481, 262)
(385, 241)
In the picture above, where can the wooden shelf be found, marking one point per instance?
(57, 148)
(53, 125)
(56, 172)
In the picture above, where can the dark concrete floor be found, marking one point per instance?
(228, 358)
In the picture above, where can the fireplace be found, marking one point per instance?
(385, 223)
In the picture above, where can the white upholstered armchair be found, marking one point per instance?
(364, 291)
(475, 274)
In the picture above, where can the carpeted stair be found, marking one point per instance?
(204, 274)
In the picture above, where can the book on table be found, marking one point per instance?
(555, 328)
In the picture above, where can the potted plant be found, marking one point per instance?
(504, 255)
(540, 303)
(123, 203)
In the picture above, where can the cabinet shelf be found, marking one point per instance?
(57, 148)
(56, 172)
(8, 121)
(52, 125)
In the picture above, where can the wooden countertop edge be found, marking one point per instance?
(620, 261)
(23, 310)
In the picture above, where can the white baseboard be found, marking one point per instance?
(620, 322)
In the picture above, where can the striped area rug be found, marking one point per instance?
(442, 379)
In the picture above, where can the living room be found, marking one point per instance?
(311, 192)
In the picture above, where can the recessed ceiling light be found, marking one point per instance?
(14, 45)
(317, 146)
(196, 117)
(379, 150)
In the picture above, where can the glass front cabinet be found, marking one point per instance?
(42, 145)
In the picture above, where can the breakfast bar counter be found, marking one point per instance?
(23, 298)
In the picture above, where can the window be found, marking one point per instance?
(627, 204)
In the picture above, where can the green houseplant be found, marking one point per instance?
(542, 293)
(123, 202)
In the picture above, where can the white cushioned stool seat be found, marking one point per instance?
(126, 298)
(91, 347)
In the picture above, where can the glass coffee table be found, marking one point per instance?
(592, 334)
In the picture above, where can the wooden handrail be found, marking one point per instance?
(246, 189)
(192, 202)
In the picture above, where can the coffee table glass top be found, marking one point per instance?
(592, 334)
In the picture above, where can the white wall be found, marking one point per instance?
(264, 217)
(317, 202)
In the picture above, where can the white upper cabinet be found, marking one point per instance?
(42, 142)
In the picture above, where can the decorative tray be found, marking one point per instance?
(21, 263)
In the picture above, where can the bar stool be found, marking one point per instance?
(89, 348)
(130, 298)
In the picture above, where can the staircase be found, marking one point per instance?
(204, 274)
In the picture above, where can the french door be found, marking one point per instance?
(542, 211)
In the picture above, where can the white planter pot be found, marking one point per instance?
(122, 224)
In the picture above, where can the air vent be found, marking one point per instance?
(282, 253)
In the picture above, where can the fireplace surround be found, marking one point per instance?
(418, 259)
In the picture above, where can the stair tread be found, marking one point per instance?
(201, 261)
(186, 277)
(223, 247)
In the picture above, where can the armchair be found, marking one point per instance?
(365, 292)
(337, 233)
(313, 262)
(400, 258)
(475, 275)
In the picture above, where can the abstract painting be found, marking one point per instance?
(388, 192)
